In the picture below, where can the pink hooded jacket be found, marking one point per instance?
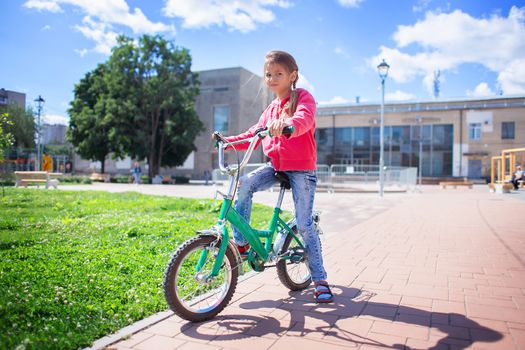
(290, 152)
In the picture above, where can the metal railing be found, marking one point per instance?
(366, 177)
(349, 177)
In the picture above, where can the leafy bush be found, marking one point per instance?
(122, 179)
(76, 266)
(7, 179)
(181, 179)
(75, 179)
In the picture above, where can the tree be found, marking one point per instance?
(6, 139)
(90, 126)
(152, 91)
(22, 126)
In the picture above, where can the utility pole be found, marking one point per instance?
(40, 106)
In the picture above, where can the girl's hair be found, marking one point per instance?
(287, 61)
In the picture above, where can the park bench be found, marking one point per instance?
(24, 178)
(454, 184)
(99, 177)
(501, 187)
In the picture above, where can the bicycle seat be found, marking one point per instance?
(283, 179)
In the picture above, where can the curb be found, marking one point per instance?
(147, 322)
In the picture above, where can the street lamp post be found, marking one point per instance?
(419, 120)
(382, 68)
(40, 105)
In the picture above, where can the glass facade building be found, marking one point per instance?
(404, 145)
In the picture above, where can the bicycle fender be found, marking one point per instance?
(231, 245)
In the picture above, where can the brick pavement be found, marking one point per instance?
(441, 269)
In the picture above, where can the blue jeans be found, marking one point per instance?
(303, 185)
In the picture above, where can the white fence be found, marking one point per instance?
(365, 178)
(350, 177)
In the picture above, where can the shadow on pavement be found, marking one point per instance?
(349, 303)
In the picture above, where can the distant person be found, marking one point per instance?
(136, 172)
(206, 177)
(47, 163)
(516, 177)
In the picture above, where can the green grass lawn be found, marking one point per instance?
(76, 266)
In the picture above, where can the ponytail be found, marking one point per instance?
(293, 99)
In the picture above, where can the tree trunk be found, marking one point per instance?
(102, 165)
(155, 162)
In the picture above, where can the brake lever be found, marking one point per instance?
(259, 133)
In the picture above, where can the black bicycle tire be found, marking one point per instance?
(282, 271)
(169, 280)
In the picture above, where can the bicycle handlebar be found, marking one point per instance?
(259, 134)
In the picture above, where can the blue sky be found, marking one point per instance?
(478, 46)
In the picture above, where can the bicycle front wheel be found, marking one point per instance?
(192, 294)
(294, 272)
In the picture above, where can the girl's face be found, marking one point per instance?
(278, 79)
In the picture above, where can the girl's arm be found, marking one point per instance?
(303, 119)
(249, 133)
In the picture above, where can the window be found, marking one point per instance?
(507, 130)
(474, 131)
(221, 115)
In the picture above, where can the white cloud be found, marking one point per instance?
(482, 89)
(45, 28)
(304, 83)
(101, 17)
(110, 12)
(100, 33)
(421, 5)
(81, 52)
(512, 77)
(444, 41)
(399, 96)
(350, 3)
(56, 119)
(43, 5)
(242, 15)
(334, 100)
(341, 52)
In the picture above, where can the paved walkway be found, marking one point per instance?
(438, 269)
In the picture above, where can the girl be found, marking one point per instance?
(293, 154)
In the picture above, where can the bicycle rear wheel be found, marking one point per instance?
(190, 293)
(294, 273)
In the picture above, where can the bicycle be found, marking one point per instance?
(203, 272)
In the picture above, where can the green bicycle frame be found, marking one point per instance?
(229, 214)
(253, 236)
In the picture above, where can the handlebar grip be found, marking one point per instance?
(216, 136)
(288, 130)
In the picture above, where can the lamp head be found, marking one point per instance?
(383, 68)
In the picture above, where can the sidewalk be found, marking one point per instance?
(441, 269)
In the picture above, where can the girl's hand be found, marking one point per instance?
(276, 127)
